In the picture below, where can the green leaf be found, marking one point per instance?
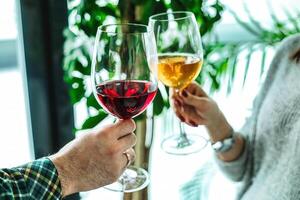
(110, 9)
(232, 73)
(215, 84)
(245, 25)
(177, 5)
(142, 116)
(76, 65)
(92, 102)
(222, 66)
(158, 103)
(248, 60)
(293, 20)
(256, 24)
(263, 62)
(94, 120)
(77, 90)
(149, 8)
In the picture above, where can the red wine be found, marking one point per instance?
(126, 99)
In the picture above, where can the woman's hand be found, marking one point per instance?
(194, 107)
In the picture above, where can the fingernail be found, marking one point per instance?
(193, 123)
(177, 103)
(181, 118)
(184, 93)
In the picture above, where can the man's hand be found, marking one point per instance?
(95, 159)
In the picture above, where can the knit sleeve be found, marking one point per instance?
(241, 169)
(235, 169)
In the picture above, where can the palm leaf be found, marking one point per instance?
(232, 71)
(244, 24)
(263, 62)
(292, 19)
(254, 22)
(248, 60)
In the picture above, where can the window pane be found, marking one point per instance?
(14, 143)
(260, 11)
(8, 27)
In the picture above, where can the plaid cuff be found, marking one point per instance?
(36, 180)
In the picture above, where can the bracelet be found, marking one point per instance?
(225, 144)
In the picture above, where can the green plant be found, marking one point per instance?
(220, 58)
(84, 18)
(263, 39)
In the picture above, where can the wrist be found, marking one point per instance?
(225, 145)
(236, 150)
(64, 174)
(220, 130)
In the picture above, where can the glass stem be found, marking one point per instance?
(183, 141)
(124, 180)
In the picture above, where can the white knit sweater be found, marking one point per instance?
(269, 168)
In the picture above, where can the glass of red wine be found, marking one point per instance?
(124, 82)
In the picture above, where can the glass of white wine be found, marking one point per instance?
(180, 54)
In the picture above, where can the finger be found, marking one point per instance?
(195, 122)
(178, 110)
(186, 114)
(173, 94)
(199, 103)
(127, 141)
(179, 115)
(124, 127)
(190, 114)
(175, 103)
(127, 159)
(131, 154)
(195, 89)
(191, 117)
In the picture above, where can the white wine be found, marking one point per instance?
(178, 70)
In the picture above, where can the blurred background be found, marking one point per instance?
(46, 100)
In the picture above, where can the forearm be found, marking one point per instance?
(233, 161)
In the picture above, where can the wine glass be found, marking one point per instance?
(180, 58)
(124, 82)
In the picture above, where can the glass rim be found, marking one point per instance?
(188, 14)
(102, 28)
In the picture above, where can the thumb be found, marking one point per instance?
(123, 127)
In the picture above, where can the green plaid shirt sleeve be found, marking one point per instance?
(36, 180)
